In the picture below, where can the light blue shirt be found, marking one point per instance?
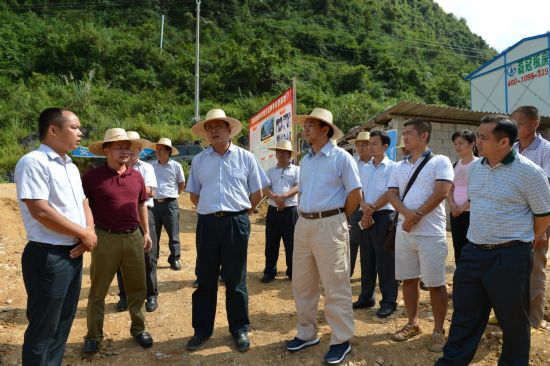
(44, 175)
(326, 179)
(282, 180)
(224, 183)
(169, 176)
(374, 180)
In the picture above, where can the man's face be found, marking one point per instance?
(134, 154)
(283, 157)
(362, 148)
(217, 132)
(68, 135)
(376, 148)
(487, 143)
(118, 152)
(412, 139)
(313, 130)
(526, 127)
(162, 153)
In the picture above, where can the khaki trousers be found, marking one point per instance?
(114, 251)
(321, 252)
(538, 287)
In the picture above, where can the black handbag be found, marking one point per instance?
(389, 242)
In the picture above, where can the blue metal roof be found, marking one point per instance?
(469, 76)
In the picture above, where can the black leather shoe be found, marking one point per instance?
(175, 265)
(242, 342)
(361, 304)
(267, 278)
(91, 346)
(144, 339)
(384, 312)
(195, 342)
(122, 304)
(151, 304)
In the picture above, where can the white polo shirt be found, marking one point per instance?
(169, 176)
(148, 173)
(438, 168)
(44, 175)
(374, 180)
(282, 180)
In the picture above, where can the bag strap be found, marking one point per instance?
(415, 174)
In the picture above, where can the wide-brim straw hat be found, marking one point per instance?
(217, 115)
(112, 135)
(283, 145)
(165, 141)
(134, 136)
(361, 136)
(322, 115)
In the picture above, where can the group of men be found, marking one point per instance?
(339, 197)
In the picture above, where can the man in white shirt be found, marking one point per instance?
(282, 213)
(171, 182)
(376, 211)
(421, 242)
(60, 227)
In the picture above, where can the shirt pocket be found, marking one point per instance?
(240, 173)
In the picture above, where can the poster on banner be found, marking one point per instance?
(392, 149)
(272, 124)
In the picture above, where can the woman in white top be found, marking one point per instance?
(464, 142)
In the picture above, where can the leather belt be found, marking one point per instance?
(497, 246)
(281, 209)
(120, 232)
(321, 215)
(227, 213)
(164, 200)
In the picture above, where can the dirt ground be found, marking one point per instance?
(272, 314)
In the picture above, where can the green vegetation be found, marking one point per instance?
(102, 60)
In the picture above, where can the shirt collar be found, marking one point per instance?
(424, 155)
(231, 148)
(53, 155)
(325, 150)
(509, 158)
(533, 145)
(128, 170)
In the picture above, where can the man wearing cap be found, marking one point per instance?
(59, 226)
(171, 182)
(330, 190)
(225, 182)
(282, 213)
(148, 173)
(117, 196)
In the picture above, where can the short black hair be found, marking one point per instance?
(528, 111)
(50, 116)
(384, 137)
(330, 129)
(421, 126)
(505, 127)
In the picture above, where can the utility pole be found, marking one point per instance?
(161, 32)
(197, 56)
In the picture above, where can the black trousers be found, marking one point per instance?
(279, 225)
(490, 279)
(151, 260)
(459, 230)
(221, 242)
(167, 215)
(354, 238)
(52, 281)
(378, 262)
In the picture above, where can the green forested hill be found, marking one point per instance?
(101, 59)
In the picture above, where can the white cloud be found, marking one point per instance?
(501, 23)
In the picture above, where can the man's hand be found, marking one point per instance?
(540, 242)
(455, 211)
(147, 243)
(89, 239)
(78, 251)
(366, 221)
(411, 219)
(279, 200)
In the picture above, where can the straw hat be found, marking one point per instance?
(112, 135)
(322, 115)
(283, 145)
(133, 135)
(361, 136)
(217, 115)
(164, 141)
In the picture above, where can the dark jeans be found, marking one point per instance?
(279, 224)
(485, 279)
(151, 259)
(354, 238)
(459, 230)
(377, 261)
(221, 241)
(167, 215)
(52, 281)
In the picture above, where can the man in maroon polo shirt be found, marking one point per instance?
(117, 198)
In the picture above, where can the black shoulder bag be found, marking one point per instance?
(389, 242)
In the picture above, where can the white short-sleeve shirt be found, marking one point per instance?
(282, 180)
(148, 173)
(169, 176)
(44, 175)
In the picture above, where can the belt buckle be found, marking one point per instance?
(219, 214)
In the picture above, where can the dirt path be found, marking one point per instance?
(271, 306)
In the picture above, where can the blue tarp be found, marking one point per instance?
(83, 152)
